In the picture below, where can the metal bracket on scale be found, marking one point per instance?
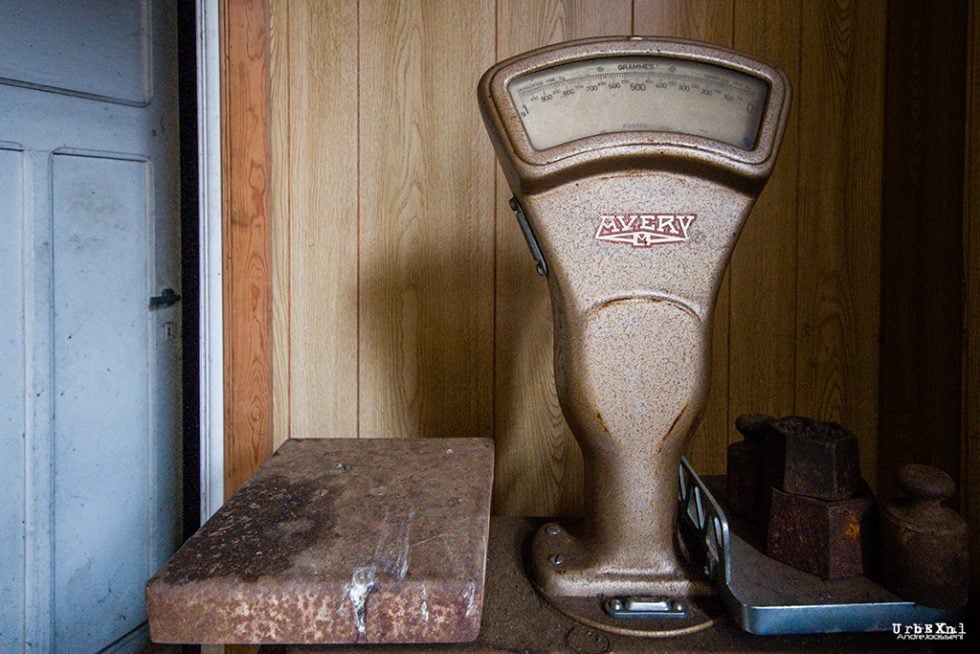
(767, 597)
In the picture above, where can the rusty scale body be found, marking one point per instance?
(632, 202)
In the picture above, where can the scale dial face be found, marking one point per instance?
(605, 95)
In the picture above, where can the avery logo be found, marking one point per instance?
(641, 230)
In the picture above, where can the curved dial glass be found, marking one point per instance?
(618, 94)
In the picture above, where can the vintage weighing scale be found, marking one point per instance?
(634, 163)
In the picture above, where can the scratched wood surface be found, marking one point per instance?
(451, 327)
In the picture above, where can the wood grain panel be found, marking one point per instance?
(246, 160)
(426, 221)
(970, 461)
(323, 142)
(762, 328)
(840, 112)
(279, 175)
(451, 330)
(710, 21)
(702, 20)
(538, 465)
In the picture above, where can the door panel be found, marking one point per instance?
(91, 438)
(101, 395)
(108, 56)
(11, 405)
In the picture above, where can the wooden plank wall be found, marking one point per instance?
(404, 300)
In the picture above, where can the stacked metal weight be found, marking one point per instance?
(800, 478)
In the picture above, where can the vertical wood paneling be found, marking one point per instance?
(840, 112)
(762, 327)
(426, 221)
(538, 463)
(406, 300)
(710, 21)
(323, 224)
(702, 20)
(279, 38)
(970, 462)
(246, 158)
(314, 119)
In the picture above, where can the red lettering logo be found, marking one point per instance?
(642, 230)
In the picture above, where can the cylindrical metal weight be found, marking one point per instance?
(924, 544)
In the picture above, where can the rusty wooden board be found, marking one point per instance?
(517, 619)
(338, 541)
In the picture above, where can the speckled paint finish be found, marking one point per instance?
(338, 541)
(632, 324)
(632, 369)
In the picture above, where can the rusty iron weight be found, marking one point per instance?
(833, 539)
(748, 494)
(924, 544)
(812, 458)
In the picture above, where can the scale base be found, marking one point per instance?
(562, 572)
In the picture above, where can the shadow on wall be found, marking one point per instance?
(426, 343)
(539, 463)
(437, 362)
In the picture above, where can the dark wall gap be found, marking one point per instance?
(189, 261)
(921, 238)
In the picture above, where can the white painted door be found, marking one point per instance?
(89, 373)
